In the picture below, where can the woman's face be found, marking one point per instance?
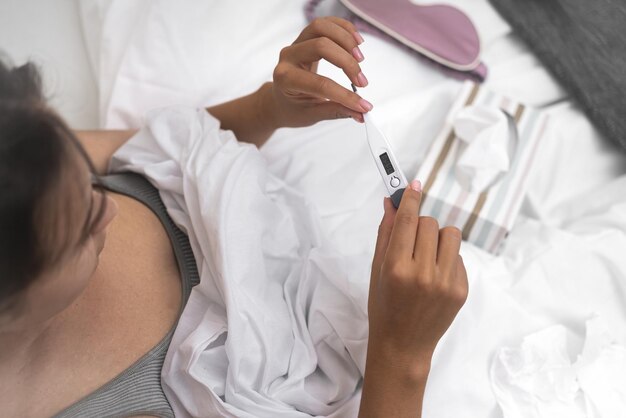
(83, 216)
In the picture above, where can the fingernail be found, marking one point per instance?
(416, 185)
(358, 118)
(362, 79)
(385, 200)
(359, 38)
(357, 54)
(365, 105)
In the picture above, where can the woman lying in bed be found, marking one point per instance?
(75, 319)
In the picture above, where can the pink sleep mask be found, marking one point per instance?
(441, 33)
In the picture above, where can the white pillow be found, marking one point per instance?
(148, 54)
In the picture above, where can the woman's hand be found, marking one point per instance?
(301, 97)
(417, 287)
(298, 96)
(418, 281)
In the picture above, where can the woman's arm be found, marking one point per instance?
(251, 117)
(297, 96)
(418, 281)
(417, 287)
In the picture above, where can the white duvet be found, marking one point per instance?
(277, 326)
(562, 265)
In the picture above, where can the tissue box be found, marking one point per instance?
(484, 217)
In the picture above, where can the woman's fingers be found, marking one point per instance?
(302, 97)
(448, 251)
(461, 275)
(331, 110)
(296, 80)
(402, 243)
(460, 283)
(337, 30)
(313, 50)
(384, 232)
(348, 26)
(426, 242)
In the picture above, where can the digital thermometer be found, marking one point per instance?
(385, 160)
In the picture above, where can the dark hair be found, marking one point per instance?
(34, 150)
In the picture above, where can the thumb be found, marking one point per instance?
(382, 242)
(332, 110)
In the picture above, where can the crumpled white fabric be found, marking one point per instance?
(484, 154)
(538, 379)
(277, 327)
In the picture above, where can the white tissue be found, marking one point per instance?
(601, 370)
(483, 155)
(538, 379)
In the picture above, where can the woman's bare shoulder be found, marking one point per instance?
(100, 145)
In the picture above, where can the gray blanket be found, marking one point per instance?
(583, 44)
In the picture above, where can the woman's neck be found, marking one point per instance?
(21, 343)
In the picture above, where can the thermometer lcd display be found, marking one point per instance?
(384, 158)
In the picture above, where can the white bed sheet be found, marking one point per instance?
(563, 261)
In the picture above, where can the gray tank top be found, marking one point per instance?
(137, 390)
